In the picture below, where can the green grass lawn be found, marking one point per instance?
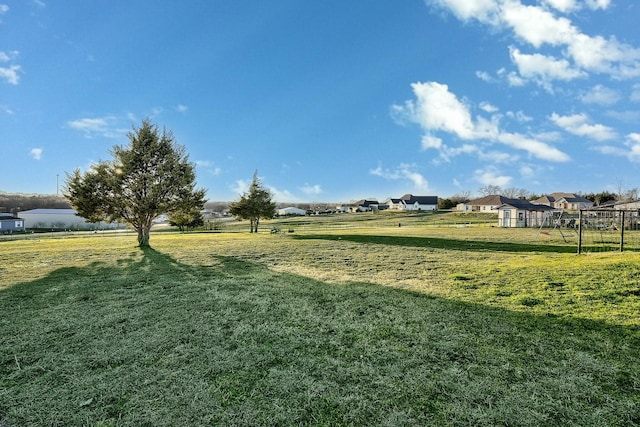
(358, 325)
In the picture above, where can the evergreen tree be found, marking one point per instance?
(254, 205)
(148, 177)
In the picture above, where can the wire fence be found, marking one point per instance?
(605, 230)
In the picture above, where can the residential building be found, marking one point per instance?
(486, 204)
(565, 201)
(60, 219)
(291, 211)
(522, 213)
(409, 202)
(10, 224)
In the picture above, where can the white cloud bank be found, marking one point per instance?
(107, 126)
(311, 190)
(436, 109)
(578, 124)
(404, 172)
(540, 26)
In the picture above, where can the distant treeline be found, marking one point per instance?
(224, 206)
(14, 203)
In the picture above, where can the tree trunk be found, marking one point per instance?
(143, 236)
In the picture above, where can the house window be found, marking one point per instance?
(520, 216)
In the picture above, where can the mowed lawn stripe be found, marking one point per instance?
(218, 330)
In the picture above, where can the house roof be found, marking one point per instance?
(526, 205)
(491, 200)
(569, 197)
(366, 203)
(50, 212)
(410, 199)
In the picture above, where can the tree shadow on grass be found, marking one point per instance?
(155, 341)
(440, 243)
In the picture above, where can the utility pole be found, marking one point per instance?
(57, 191)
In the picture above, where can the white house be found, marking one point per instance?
(522, 213)
(363, 205)
(409, 202)
(486, 204)
(291, 211)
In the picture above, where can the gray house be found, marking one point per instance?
(10, 224)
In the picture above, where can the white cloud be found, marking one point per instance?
(436, 109)
(629, 116)
(537, 148)
(429, 141)
(3, 9)
(515, 80)
(208, 166)
(311, 189)
(491, 176)
(89, 125)
(155, 112)
(6, 110)
(498, 157)
(543, 69)
(600, 95)
(36, 153)
(538, 26)
(482, 10)
(563, 5)
(577, 124)
(567, 6)
(240, 186)
(484, 76)
(282, 195)
(487, 107)
(630, 150)
(11, 74)
(404, 172)
(8, 56)
(527, 171)
(180, 108)
(519, 116)
(101, 126)
(633, 142)
(607, 56)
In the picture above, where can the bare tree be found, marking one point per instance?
(515, 193)
(632, 194)
(462, 196)
(489, 190)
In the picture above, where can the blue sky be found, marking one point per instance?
(330, 100)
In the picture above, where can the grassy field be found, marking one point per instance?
(343, 322)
